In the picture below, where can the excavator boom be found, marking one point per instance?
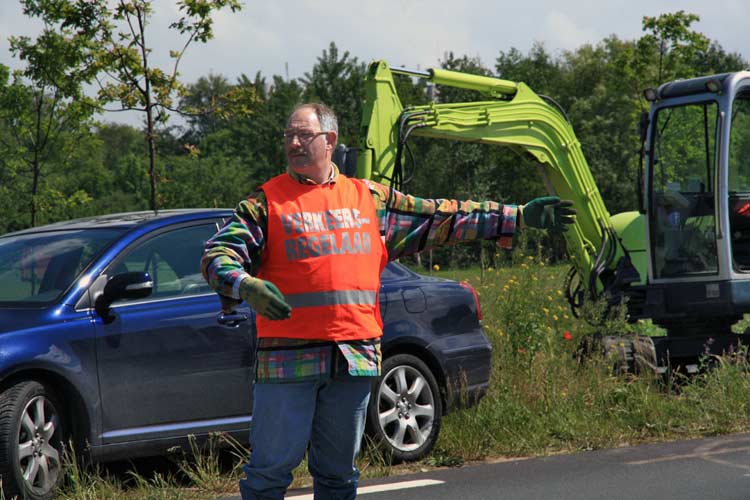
(513, 116)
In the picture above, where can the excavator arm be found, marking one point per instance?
(516, 117)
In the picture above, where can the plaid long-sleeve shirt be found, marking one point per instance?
(410, 225)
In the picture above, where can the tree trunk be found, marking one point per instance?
(150, 135)
(34, 190)
(151, 140)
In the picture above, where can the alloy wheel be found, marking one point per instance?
(406, 408)
(38, 458)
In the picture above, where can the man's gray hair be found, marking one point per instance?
(326, 116)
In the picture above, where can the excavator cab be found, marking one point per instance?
(682, 219)
(698, 199)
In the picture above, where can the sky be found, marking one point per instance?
(284, 37)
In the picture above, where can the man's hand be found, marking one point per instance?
(265, 298)
(548, 212)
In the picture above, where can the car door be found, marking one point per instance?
(166, 366)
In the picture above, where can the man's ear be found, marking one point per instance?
(331, 138)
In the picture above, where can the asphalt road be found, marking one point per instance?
(716, 468)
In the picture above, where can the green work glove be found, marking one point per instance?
(265, 298)
(548, 212)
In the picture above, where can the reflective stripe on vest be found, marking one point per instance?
(316, 299)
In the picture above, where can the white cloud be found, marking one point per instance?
(564, 33)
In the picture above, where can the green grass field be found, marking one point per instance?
(541, 400)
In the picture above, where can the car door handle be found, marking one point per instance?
(232, 319)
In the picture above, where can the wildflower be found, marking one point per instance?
(546, 311)
(567, 335)
(554, 317)
(436, 268)
(559, 292)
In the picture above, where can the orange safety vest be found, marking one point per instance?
(324, 252)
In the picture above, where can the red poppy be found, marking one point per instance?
(567, 335)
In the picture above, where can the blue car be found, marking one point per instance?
(110, 338)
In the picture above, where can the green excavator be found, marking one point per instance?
(682, 259)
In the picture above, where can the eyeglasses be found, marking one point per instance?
(303, 137)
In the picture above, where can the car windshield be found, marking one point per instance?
(36, 268)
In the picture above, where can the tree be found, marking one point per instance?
(123, 159)
(336, 80)
(601, 93)
(212, 102)
(717, 60)
(675, 45)
(538, 69)
(44, 107)
(134, 82)
(200, 102)
(237, 144)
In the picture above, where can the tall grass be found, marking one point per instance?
(198, 474)
(542, 400)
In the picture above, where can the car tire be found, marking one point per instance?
(405, 409)
(31, 441)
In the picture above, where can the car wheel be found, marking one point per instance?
(30, 441)
(405, 409)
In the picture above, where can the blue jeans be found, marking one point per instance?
(329, 414)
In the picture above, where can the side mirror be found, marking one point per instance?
(131, 286)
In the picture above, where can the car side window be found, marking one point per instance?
(173, 261)
(387, 273)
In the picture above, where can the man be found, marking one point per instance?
(306, 251)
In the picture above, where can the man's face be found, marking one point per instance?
(308, 151)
